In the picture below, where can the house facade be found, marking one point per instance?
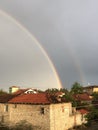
(45, 117)
(38, 110)
(90, 89)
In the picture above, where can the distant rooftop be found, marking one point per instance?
(91, 86)
(39, 98)
(14, 87)
(83, 111)
(6, 97)
(82, 97)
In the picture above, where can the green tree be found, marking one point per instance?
(2, 92)
(64, 90)
(69, 98)
(95, 96)
(76, 88)
(92, 116)
(52, 90)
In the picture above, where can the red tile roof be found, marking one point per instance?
(82, 97)
(39, 98)
(6, 97)
(83, 111)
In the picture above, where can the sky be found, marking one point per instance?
(67, 31)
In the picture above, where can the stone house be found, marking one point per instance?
(17, 91)
(39, 110)
(13, 89)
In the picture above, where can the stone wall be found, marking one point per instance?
(59, 116)
(45, 117)
(62, 118)
(2, 107)
(37, 115)
(75, 119)
(4, 114)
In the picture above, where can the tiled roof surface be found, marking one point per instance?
(6, 97)
(83, 111)
(39, 98)
(82, 97)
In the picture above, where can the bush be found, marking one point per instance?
(23, 125)
(3, 127)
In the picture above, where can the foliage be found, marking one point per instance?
(22, 125)
(64, 90)
(52, 90)
(95, 96)
(69, 98)
(2, 92)
(53, 95)
(53, 99)
(92, 116)
(76, 88)
(3, 127)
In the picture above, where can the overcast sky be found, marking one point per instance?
(66, 29)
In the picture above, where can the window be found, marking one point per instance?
(82, 117)
(15, 105)
(6, 108)
(42, 110)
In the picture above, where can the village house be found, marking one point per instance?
(90, 89)
(39, 110)
(83, 98)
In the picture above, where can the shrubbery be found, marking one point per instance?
(22, 125)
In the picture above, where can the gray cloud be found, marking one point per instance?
(67, 30)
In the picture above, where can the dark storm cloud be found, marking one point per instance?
(67, 29)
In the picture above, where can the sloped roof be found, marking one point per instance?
(39, 98)
(83, 111)
(31, 90)
(6, 97)
(90, 87)
(82, 97)
(19, 92)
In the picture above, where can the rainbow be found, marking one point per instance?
(38, 44)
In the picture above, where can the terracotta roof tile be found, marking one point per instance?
(6, 97)
(39, 98)
(82, 97)
(83, 111)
